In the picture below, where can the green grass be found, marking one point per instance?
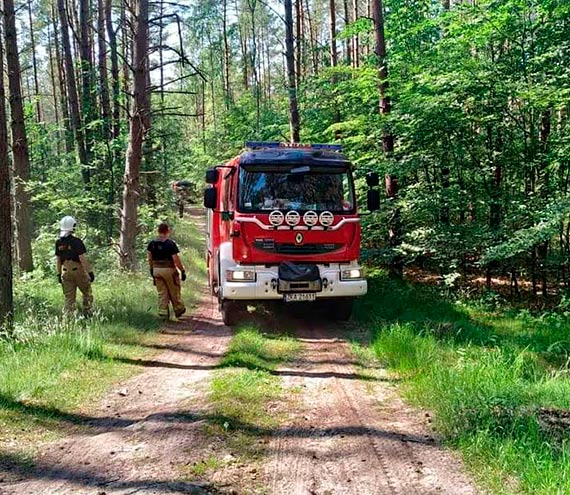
(53, 369)
(251, 349)
(487, 376)
(244, 392)
(203, 468)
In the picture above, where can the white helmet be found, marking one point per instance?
(67, 226)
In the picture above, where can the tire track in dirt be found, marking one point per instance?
(351, 433)
(140, 434)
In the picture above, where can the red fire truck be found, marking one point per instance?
(283, 225)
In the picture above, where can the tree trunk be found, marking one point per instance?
(334, 60)
(88, 106)
(138, 129)
(356, 38)
(243, 47)
(112, 36)
(125, 53)
(396, 265)
(227, 55)
(347, 43)
(290, 60)
(72, 92)
(34, 64)
(312, 40)
(6, 275)
(334, 55)
(103, 76)
(69, 145)
(52, 77)
(20, 151)
(298, 41)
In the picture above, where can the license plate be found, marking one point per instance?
(300, 297)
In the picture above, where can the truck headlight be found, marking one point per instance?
(351, 274)
(240, 275)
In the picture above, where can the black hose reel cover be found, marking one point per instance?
(293, 272)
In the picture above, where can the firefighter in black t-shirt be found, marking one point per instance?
(73, 270)
(164, 262)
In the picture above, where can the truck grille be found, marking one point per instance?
(296, 249)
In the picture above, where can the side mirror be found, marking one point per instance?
(373, 200)
(210, 198)
(372, 179)
(211, 176)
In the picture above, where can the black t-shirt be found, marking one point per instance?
(69, 248)
(162, 250)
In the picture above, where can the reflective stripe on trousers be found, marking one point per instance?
(167, 282)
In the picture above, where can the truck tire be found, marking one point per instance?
(341, 309)
(232, 312)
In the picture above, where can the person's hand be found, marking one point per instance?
(92, 276)
(59, 278)
(183, 275)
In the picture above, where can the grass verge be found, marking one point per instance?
(244, 388)
(497, 381)
(53, 369)
(247, 402)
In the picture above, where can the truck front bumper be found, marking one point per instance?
(265, 286)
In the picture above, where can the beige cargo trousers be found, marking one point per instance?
(167, 282)
(74, 277)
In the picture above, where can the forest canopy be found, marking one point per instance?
(462, 106)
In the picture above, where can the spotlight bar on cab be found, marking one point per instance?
(257, 145)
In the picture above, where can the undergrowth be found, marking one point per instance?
(52, 367)
(496, 381)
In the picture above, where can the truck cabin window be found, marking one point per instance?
(302, 188)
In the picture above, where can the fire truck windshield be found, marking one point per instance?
(296, 188)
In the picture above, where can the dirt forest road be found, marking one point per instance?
(347, 432)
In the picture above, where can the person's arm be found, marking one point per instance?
(58, 267)
(178, 262)
(84, 263)
(149, 259)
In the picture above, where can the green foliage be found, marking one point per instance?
(496, 383)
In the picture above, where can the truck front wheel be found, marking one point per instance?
(232, 312)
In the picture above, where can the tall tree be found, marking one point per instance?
(227, 54)
(115, 83)
(6, 292)
(71, 81)
(88, 106)
(34, 63)
(334, 55)
(68, 129)
(294, 119)
(20, 151)
(385, 106)
(103, 75)
(139, 127)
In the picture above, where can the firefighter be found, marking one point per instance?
(165, 265)
(182, 189)
(73, 270)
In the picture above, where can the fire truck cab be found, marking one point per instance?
(283, 225)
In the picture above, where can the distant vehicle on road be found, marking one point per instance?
(283, 225)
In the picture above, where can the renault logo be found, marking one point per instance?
(299, 238)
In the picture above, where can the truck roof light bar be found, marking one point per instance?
(256, 145)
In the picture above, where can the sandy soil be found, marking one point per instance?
(143, 431)
(352, 434)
